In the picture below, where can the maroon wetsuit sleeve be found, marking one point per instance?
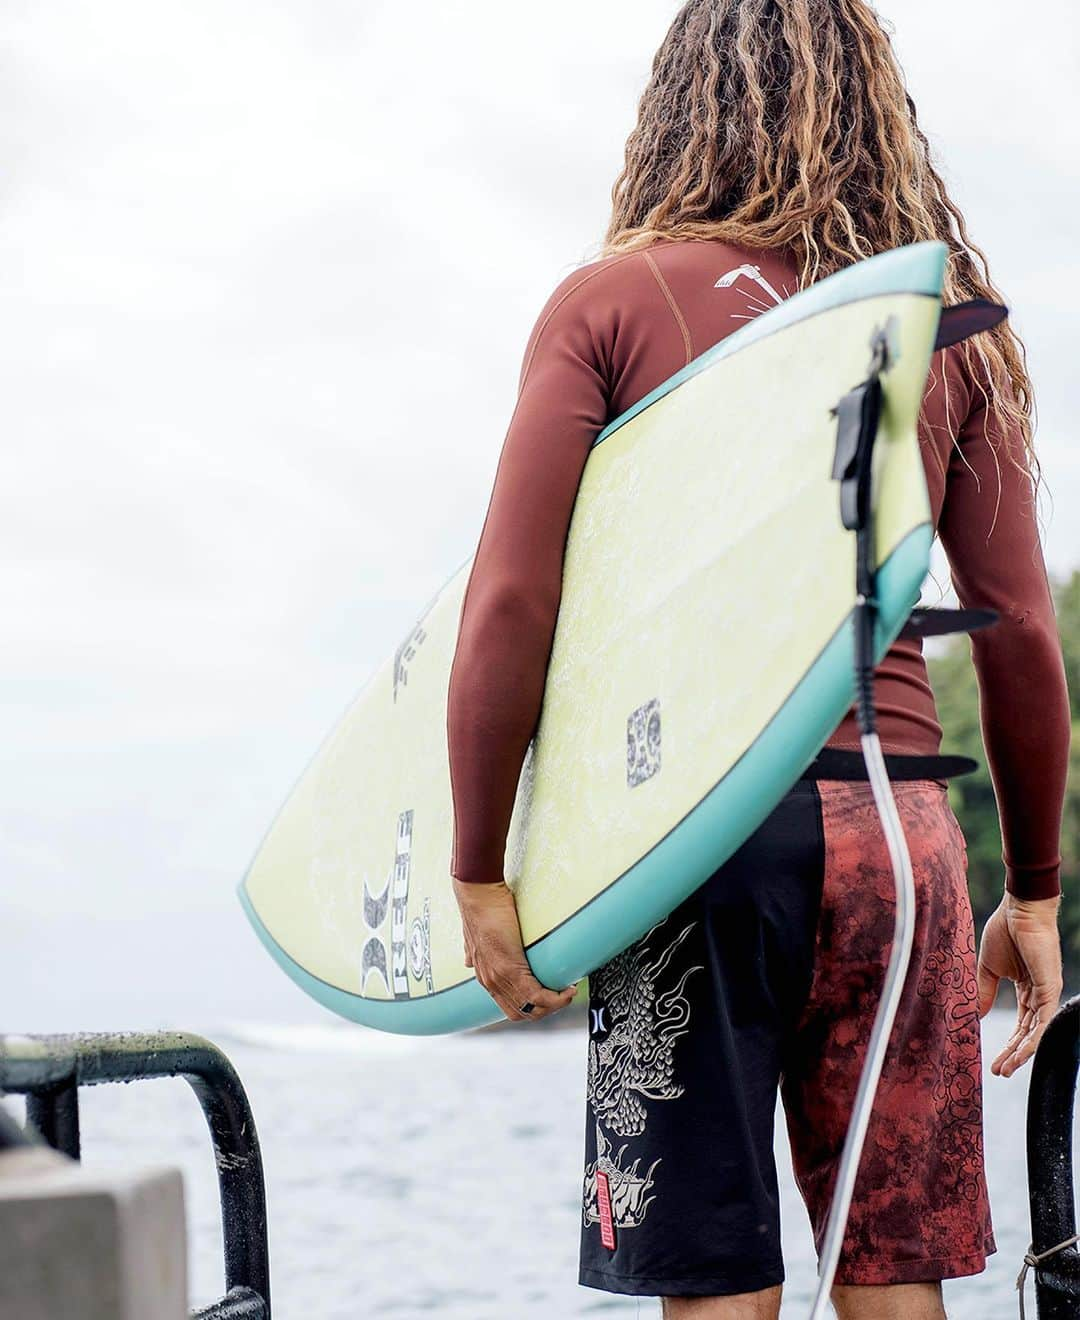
(989, 529)
(512, 597)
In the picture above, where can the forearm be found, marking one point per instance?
(1026, 725)
(496, 690)
(990, 531)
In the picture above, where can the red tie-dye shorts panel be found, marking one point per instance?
(920, 1209)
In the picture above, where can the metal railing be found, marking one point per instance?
(1050, 1166)
(48, 1071)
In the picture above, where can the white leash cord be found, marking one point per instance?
(892, 989)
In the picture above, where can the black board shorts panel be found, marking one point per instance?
(680, 1134)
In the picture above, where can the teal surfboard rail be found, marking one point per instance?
(740, 801)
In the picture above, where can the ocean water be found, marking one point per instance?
(417, 1178)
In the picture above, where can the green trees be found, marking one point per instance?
(972, 796)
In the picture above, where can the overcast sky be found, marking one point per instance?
(267, 273)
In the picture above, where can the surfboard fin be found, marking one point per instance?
(940, 623)
(966, 319)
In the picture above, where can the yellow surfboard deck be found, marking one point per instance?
(701, 658)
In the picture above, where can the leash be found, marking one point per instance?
(858, 414)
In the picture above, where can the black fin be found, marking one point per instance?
(939, 623)
(967, 319)
(857, 415)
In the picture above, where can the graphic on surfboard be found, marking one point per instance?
(702, 657)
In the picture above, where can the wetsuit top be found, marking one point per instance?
(608, 335)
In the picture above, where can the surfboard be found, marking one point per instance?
(702, 656)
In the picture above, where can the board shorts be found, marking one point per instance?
(767, 978)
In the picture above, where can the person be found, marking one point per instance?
(776, 143)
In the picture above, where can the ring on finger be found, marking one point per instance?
(527, 1007)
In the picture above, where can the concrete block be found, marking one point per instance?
(83, 1244)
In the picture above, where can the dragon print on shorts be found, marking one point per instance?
(635, 1020)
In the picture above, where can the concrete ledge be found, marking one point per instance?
(79, 1244)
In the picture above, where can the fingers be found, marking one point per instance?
(1031, 1025)
(988, 988)
(1022, 1045)
(1025, 1020)
(544, 1001)
(513, 988)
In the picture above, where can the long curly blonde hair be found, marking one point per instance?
(787, 123)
